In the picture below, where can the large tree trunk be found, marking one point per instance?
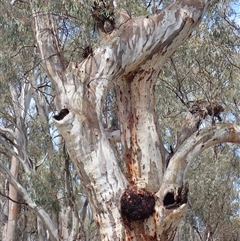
(147, 200)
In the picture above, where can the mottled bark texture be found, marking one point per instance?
(147, 200)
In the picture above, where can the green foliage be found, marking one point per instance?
(134, 7)
(204, 67)
(44, 188)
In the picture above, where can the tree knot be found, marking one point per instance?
(137, 204)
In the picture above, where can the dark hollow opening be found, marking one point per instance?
(61, 114)
(168, 199)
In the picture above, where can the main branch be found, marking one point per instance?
(191, 148)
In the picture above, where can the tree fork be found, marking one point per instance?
(131, 59)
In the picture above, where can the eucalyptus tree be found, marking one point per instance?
(40, 169)
(32, 153)
(135, 187)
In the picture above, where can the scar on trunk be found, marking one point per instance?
(137, 204)
(61, 114)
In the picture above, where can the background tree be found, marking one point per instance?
(29, 137)
(132, 170)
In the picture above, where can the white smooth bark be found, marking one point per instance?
(20, 105)
(130, 58)
(195, 145)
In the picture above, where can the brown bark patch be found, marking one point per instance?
(137, 204)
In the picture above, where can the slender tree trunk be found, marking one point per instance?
(4, 210)
(20, 141)
(14, 209)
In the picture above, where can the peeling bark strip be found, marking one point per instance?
(131, 58)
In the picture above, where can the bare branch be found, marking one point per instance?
(15, 201)
(14, 152)
(196, 144)
(42, 161)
